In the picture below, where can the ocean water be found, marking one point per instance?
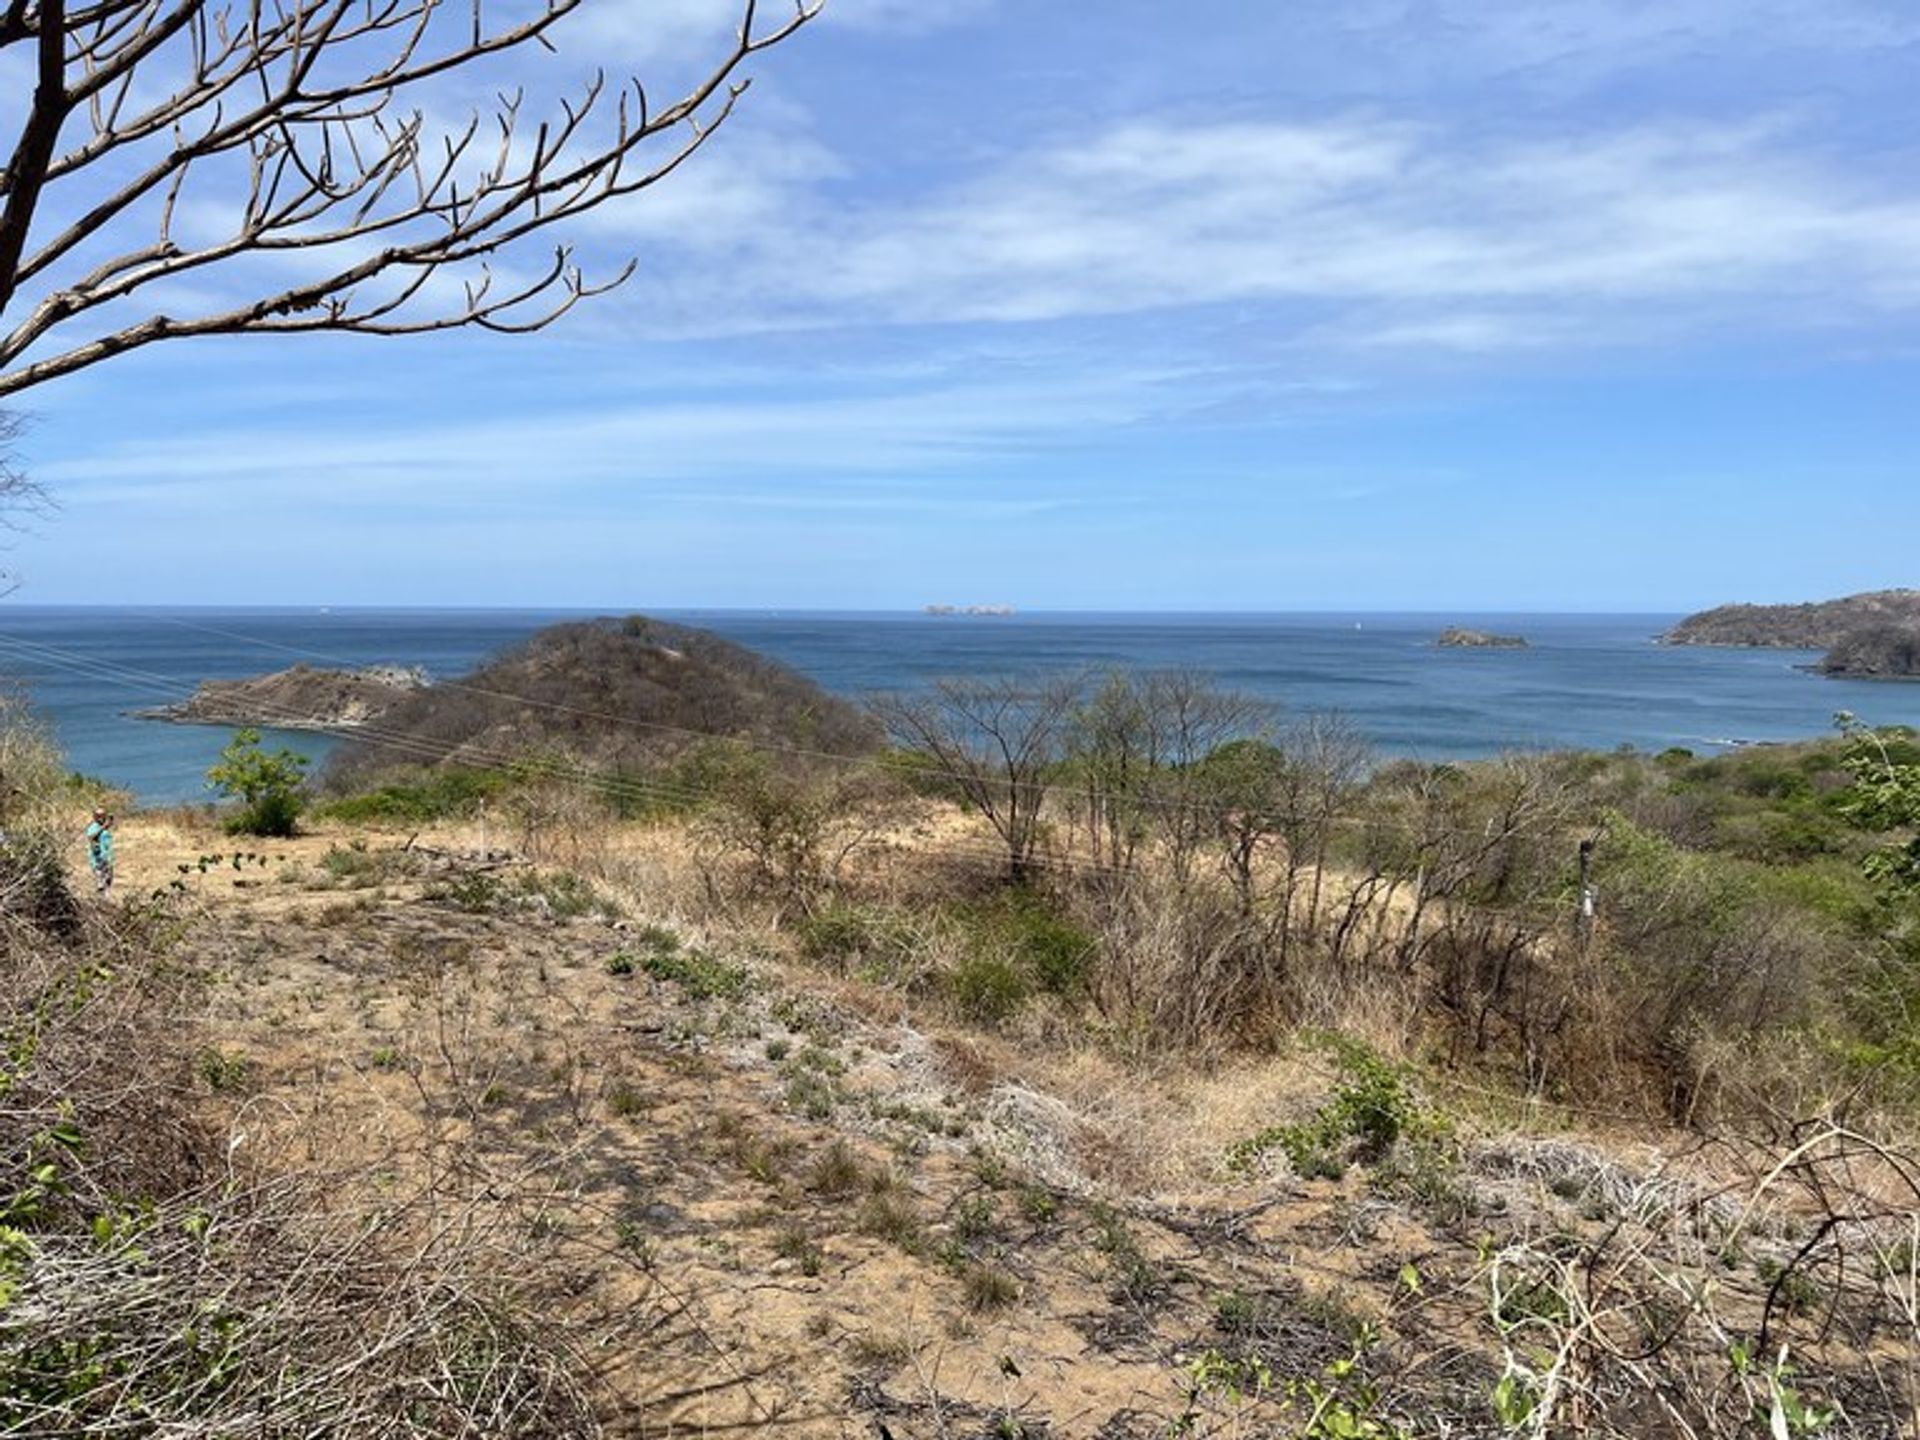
(1588, 681)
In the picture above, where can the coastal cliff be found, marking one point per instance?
(301, 697)
(1818, 626)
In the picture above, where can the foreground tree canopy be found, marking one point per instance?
(184, 167)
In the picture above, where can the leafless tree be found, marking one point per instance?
(201, 167)
(1139, 750)
(18, 493)
(995, 743)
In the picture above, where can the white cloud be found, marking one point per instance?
(743, 182)
(839, 444)
(1155, 214)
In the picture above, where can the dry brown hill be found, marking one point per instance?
(1882, 652)
(613, 693)
(1815, 626)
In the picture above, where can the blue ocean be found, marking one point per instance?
(1588, 681)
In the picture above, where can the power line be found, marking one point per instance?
(619, 782)
(919, 764)
(602, 784)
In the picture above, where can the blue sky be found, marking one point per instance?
(1398, 304)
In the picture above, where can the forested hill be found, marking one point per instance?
(1816, 626)
(617, 693)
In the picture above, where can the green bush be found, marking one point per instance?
(879, 943)
(1373, 1107)
(270, 787)
(700, 975)
(1058, 951)
(1020, 929)
(989, 988)
(434, 795)
(354, 865)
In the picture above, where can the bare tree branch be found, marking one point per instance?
(302, 122)
(19, 495)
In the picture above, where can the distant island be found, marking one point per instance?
(301, 697)
(970, 610)
(1872, 636)
(1458, 638)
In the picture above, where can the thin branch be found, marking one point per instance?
(317, 164)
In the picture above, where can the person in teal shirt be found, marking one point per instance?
(100, 849)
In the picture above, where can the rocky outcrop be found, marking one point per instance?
(1460, 639)
(1883, 652)
(299, 698)
(1819, 626)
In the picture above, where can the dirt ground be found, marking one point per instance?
(768, 1198)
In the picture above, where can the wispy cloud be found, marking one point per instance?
(830, 449)
(1694, 222)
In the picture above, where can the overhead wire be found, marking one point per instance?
(919, 765)
(624, 785)
(619, 784)
(616, 785)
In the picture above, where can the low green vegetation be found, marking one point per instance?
(1749, 947)
(270, 786)
(552, 894)
(1372, 1109)
(658, 952)
(420, 799)
(1188, 871)
(1750, 938)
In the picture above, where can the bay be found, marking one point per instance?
(1587, 681)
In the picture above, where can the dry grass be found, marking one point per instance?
(976, 1232)
(158, 1279)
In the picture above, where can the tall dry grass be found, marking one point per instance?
(159, 1277)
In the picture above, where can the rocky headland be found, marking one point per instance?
(1821, 625)
(301, 697)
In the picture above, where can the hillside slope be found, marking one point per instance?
(756, 1196)
(1884, 652)
(616, 693)
(1816, 626)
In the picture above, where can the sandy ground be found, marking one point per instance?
(768, 1199)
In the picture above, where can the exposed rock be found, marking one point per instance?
(1462, 639)
(1882, 652)
(1817, 626)
(299, 698)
